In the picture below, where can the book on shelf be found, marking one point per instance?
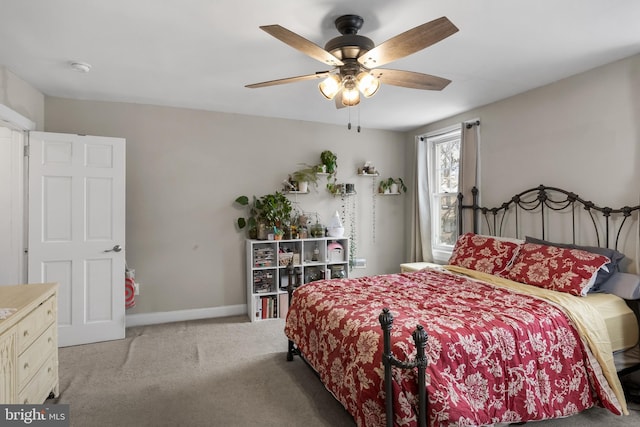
(268, 307)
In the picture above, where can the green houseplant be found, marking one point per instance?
(330, 161)
(251, 221)
(275, 209)
(387, 186)
(308, 174)
(271, 212)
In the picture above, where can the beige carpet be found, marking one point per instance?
(218, 372)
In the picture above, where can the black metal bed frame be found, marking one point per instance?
(540, 199)
(537, 199)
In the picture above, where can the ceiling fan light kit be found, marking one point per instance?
(368, 84)
(350, 94)
(356, 59)
(330, 86)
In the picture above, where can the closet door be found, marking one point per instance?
(77, 231)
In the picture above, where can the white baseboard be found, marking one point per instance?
(144, 319)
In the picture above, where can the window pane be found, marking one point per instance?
(447, 210)
(447, 156)
(443, 164)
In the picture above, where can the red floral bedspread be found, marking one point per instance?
(494, 355)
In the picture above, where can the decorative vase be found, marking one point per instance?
(394, 188)
(262, 231)
(335, 228)
(303, 186)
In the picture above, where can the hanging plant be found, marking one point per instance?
(353, 245)
(373, 210)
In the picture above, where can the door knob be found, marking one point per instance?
(116, 248)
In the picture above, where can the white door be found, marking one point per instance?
(12, 259)
(76, 231)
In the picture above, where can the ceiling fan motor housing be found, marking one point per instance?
(349, 45)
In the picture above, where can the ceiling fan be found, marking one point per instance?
(355, 59)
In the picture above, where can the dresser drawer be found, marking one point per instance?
(30, 328)
(37, 391)
(30, 361)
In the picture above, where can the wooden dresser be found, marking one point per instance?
(29, 343)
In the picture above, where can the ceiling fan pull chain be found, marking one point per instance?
(358, 119)
(349, 124)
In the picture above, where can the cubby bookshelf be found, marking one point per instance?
(267, 279)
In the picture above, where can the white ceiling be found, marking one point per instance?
(201, 53)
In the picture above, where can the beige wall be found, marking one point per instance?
(185, 168)
(21, 97)
(581, 134)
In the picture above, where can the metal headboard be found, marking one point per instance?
(541, 201)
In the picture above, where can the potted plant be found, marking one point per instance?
(330, 161)
(265, 213)
(392, 186)
(274, 209)
(305, 176)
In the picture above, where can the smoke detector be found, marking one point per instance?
(81, 67)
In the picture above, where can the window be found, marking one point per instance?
(444, 171)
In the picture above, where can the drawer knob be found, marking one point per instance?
(26, 366)
(26, 333)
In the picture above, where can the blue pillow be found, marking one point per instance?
(603, 275)
(624, 285)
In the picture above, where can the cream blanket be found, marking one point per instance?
(588, 321)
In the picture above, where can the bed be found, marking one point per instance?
(485, 340)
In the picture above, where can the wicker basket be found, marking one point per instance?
(285, 258)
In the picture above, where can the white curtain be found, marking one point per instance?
(421, 206)
(420, 244)
(469, 168)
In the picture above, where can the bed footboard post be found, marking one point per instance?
(388, 360)
(420, 338)
(291, 351)
(386, 321)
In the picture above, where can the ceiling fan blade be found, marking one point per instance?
(318, 75)
(409, 42)
(303, 45)
(410, 79)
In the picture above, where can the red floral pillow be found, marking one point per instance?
(483, 253)
(560, 269)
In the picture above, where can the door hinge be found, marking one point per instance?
(26, 150)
